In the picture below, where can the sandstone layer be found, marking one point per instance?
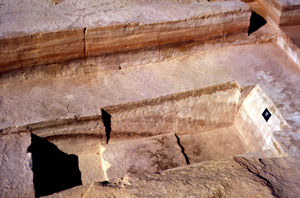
(282, 12)
(289, 40)
(93, 34)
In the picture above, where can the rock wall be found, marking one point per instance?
(256, 132)
(189, 112)
(282, 12)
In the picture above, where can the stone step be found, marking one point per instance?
(51, 33)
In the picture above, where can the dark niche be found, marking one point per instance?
(53, 170)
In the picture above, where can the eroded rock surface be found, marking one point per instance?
(237, 177)
(16, 177)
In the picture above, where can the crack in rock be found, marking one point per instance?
(255, 170)
(182, 150)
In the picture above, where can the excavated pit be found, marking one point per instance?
(153, 135)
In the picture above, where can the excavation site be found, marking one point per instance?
(148, 98)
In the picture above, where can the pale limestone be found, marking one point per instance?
(253, 128)
(74, 29)
(188, 112)
(281, 12)
(217, 144)
(237, 177)
(16, 176)
(149, 155)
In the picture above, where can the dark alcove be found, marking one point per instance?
(106, 119)
(53, 170)
(256, 22)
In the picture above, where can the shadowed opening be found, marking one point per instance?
(106, 119)
(256, 22)
(53, 170)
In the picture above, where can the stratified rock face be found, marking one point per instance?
(282, 12)
(188, 112)
(237, 177)
(289, 40)
(42, 48)
(106, 40)
(16, 177)
(90, 31)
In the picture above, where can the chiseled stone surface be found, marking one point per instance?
(58, 32)
(35, 16)
(255, 131)
(16, 176)
(187, 112)
(72, 29)
(289, 40)
(148, 155)
(217, 144)
(90, 166)
(121, 31)
(282, 12)
(42, 98)
(237, 177)
(41, 48)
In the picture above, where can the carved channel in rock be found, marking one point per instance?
(157, 134)
(53, 170)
